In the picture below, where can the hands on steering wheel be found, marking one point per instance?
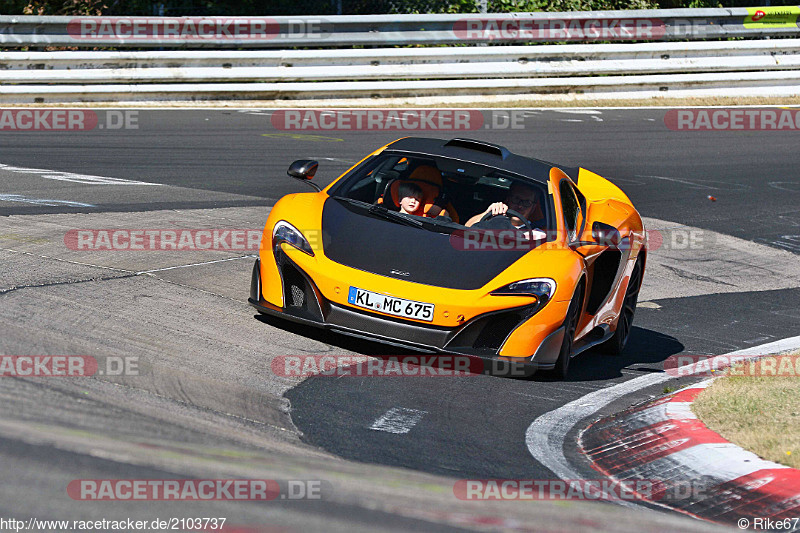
(499, 208)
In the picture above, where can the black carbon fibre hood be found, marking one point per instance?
(353, 237)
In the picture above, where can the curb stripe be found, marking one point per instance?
(665, 441)
(633, 450)
(546, 435)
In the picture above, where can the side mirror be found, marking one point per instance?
(304, 170)
(606, 234)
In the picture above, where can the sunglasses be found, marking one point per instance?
(521, 202)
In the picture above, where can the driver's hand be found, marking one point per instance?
(497, 208)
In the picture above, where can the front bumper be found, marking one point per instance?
(482, 336)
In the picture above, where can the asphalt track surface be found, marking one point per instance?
(668, 174)
(206, 394)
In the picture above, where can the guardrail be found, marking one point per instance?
(398, 63)
(282, 32)
(762, 67)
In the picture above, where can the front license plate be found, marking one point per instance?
(390, 305)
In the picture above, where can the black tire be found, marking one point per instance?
(570, 325)
(617, 342)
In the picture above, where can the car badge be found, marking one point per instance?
(400, 273)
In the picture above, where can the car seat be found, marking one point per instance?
(429, 179)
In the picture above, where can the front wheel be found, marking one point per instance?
(570, 325)
(616, 343)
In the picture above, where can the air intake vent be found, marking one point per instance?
(480, 146)
(298, 296)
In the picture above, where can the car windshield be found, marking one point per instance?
(461, 188)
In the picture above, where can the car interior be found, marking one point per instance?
(463, 189)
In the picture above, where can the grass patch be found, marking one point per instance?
(760, 414)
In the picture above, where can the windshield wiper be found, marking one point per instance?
(394, 216)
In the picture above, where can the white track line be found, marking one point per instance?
(398, 420)
(194, 264)
(546, 435)
(83, 179)
(41, 201)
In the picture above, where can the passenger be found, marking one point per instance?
(410, 196)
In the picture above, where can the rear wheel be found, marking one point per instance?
(616, 343)
(570, 325)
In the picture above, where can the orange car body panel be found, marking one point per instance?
(454, 307)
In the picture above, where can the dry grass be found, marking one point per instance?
(760, 414)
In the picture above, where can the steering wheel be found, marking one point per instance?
(510, 213)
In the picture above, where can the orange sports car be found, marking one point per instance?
(457, 247)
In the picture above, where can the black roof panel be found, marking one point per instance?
(535, 169)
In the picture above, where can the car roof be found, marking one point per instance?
(483, 153)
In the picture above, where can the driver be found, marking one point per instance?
(520, 198)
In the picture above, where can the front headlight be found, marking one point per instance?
(285, 232)
(541, 288)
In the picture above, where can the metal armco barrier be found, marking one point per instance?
(767, 84)
(755, 67)
(397, 63)
(309, 31)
